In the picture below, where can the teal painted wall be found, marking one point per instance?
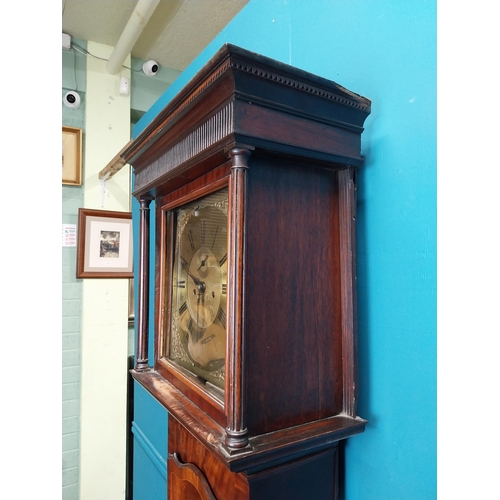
(145, 90)
(384, 50)
(73, 78)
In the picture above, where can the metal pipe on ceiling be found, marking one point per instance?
(132, 31)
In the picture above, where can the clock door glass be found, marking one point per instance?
(199, 284)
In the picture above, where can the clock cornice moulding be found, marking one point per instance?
(232, 75)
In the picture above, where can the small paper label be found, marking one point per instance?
(69, 235)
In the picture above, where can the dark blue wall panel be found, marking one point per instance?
(150, 447)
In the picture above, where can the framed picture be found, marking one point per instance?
(72, 156)
(104, 244)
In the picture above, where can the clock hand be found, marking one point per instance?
(203, 262)
(197, 282)
(201, 299)
(201, 291)
(197, 309)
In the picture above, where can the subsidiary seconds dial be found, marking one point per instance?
(204, 286)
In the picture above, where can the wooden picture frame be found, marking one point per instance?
(72, 156)
(104, 244)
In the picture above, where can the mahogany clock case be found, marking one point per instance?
(196, 474)
(285, 144)
(293, 352)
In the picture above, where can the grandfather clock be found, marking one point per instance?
(252, 169)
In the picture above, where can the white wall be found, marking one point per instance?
(104, 301)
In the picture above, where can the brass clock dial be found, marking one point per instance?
(199, 286)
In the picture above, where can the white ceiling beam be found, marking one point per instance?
(135, 25)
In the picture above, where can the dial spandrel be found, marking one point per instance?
(199, 287)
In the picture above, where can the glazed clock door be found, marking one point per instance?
(199, 287)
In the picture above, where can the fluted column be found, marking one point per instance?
(141, 348)
(236, 430)
(347, 216)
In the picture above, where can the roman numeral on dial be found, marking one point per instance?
(223, 260)
(221, 316)
(183, 308)
(203, 231)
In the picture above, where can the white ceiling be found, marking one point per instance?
(176, 33)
